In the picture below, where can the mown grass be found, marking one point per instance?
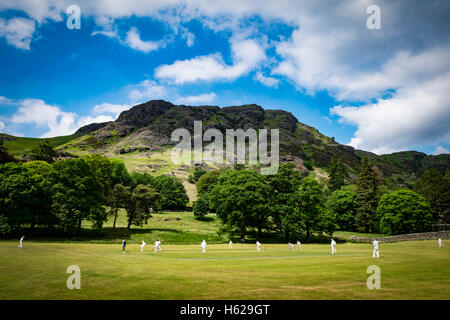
(409, 270)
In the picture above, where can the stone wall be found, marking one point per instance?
(407, 237)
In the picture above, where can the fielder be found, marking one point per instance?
(203, 245)
(21, 242)
(258, 246)
(230, 244)
(143, 245)
(333, 247)
(441, 245)
(124, 244)
(157, 246)
(290, 246)
(375, 249)
(299, 245)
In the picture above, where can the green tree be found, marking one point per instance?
(240, 199)
(118, 198)
(284, 184)
(309, 205)
(142, 199)
(141, 178)
(342, 204)
(175, 196)
(119, 174)
(367, 196)
(404, 211)
(201, 206)
(435, 187)
(338, 173)
(45, 152)
(207, 181)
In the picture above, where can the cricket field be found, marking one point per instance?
(408, 270)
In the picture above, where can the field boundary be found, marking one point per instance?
(406, 237)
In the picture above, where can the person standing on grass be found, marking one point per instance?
(203, 245)
(258, 246)
(440, 243)
(157, 246)
(290, 245)
(375, 249)
(299, 245)
(124, 244)
(143, 245)
(333, 247)
(21, 242)
(230, 244)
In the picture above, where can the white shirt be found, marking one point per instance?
(333, 243)
(203, 244)
(375, 244)
(157, 243)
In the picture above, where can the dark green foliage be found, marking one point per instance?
(142, 200)
(119, 198)
(240, 199)
(435, 187)
(175, 196)
(207, 181)
(367, 195)
(338, 174)
(308, 164)
(45, 152)
(141, 178)
(201, 207)
(404, 211)
(342, 204)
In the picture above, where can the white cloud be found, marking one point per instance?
(114, 109)
(17, 31)
(267, 81)
(413, 116)
(2, 125)
(133, 40)
(440, 150)
(89, 119)
(146, 90)
(246, 54)
(199, 99)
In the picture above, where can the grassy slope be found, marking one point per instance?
(409, 270)
(23, 146)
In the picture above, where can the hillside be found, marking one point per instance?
(141, 137)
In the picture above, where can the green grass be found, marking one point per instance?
(22, 146)
(345, 235)
(409, 270)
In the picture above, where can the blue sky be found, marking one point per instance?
(381, 90)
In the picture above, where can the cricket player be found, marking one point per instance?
(124, 244)
(375, 249)
(299, 245)
(143, 245)
(258, 246)
(290, 245)
(333, 246)
(440, 243)
(230, 244)
(203, 245)
(23, 237)
(157, 246)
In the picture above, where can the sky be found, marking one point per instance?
(374, 75)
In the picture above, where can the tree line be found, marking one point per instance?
(294, 206)
(62, 194)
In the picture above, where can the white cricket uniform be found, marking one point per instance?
(258, 246)
(143, 245)
(333, 247)
(299, 245)
(157, 246)
(230, 244)
(290, 246)
(21, 242)
(440, 243)
(375, 249)
(203, 245)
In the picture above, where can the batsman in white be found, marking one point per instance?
(258, 246)
(157, 246)
(290, 245)
(375, 249)
(143, 245)
(21, 242)
(441, 245)
(230, 244)
(203, 245)
(333, 246)
(299, 245)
